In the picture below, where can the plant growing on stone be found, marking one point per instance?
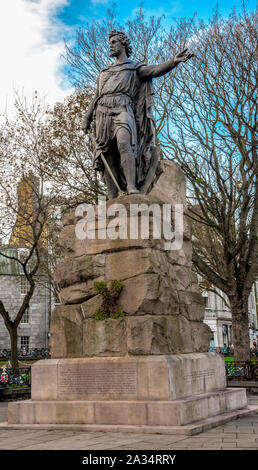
(109, 307)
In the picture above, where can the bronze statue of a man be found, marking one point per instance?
(120, 120)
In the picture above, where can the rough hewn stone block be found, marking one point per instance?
(183, 257)
(66, 331)
(127, 264)
(80, 269)
(91, 305)
(104, 338)
(158, 335)
(140, 294)
(79, 292)
(170, 187)
(109, 245)
(191, 305)
(201, 336)
(66, 273)
(71, 245)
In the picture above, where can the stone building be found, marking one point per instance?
(33, 330)
(219, 318)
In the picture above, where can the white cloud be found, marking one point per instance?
(31, 42)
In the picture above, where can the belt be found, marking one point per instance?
(116, 94)
(109, 111)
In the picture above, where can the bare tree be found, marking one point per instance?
(70, 154)
(26, 201)
(211, 133)
(25, 249)
(45, 169)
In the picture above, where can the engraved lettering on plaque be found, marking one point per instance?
(81, 379)
(197, 375)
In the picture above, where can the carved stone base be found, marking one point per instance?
(155, 392)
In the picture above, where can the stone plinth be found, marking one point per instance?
(128, 378)
(148, 370)
(154, 392)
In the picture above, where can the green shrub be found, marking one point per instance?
(109, 307)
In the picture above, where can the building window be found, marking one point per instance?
(212, 343)
(25, 317)
(25, 342)
(25, 285)
(227, 335)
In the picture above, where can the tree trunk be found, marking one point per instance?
(240, 328)
(14, 347)
(12, 329)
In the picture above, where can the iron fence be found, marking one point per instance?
(236, 370)
(228, 351)
(15, 378)
(26, 353)
(225, 350)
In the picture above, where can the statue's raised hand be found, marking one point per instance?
(183, 56)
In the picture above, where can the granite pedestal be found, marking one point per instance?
(168, 394)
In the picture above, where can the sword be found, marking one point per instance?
(120, 192)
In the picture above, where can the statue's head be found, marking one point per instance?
(118, 39)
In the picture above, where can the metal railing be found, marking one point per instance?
(15, 378)
(228, 351)
(225, 350)
(26, 353)
(236, 370)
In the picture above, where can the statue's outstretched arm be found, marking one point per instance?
(147, 72)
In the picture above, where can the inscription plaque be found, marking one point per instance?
(194, 376)
(84, 379)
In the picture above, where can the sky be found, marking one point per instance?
(32, 35)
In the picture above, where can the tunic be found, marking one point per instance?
(123, 100)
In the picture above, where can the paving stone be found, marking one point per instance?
(229, 439)
(244, 448)
(41, 446)
(212, 447)
(251, 437)
(213, 432)
(247, 444)
(200, 437)
(140, 447)
(194, 445)
(177, 448)
(164, 439)
(240, 435)
(245, 431)
(9, 446)
(230, 430)
(229, 446)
